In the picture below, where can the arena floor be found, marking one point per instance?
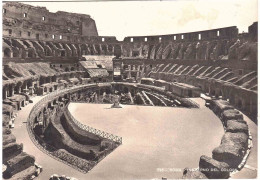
(157, 141)
(153, 137)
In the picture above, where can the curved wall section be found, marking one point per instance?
(50, 116)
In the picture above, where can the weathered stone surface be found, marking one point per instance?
(234, 126)
(188, 174)
(25, 174)
(61, 140)
(6, 131)
(19, 163)
(11, 150)
(213, 169)
(228, 153)
(10, 138)
(218, 106)
(238, 139)
(79, 135)
(5, 119)
(231, 114)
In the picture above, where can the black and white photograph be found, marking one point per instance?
(129, 90)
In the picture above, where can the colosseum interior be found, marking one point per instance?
(55, 65)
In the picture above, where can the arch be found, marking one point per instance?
(42, 80)
(15, 52)
(231, 97)
(220, 93)
(48, 50)
(84, 49)
(67, 69)
(97, 47)
(7, 53)
(91, 49)
(126, 90)
(117, 51)
(104, 48)
(63, 53)
(239, 103)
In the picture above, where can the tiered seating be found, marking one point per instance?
(218, 49)
(248, 81)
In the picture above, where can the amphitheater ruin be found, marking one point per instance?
(56, 62)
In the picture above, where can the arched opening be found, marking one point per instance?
(125, 90)
(41, 80)
(98, 49)
(117, 51)
(53, 78)
(7, 52)
(213, 92)
(220, 94)
(239, 104)
(67, 69)
(30, 53)
(10, 91)
(17, 88)
(62, 53)
(48, 52)
(72, 69)
(231, 97)
(108, 91)
(15, 53)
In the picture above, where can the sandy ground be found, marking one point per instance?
(155, 139)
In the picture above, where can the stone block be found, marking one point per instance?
(234, 126)
(213, 169)
(231, 114)
(188, 174)
(19, 163)
(238, 139)
(11, 150)
(25, 174)
(230, 154)
(10, 138)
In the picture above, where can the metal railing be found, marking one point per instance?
(67, 158)
(95, 131)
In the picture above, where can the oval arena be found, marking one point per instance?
(77, 105)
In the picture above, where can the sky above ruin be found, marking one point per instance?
(135, 18)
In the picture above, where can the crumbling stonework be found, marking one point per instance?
(11, 150)
(213, 169)
(228, 153)
(235, 126)
(19, 163)
(196, 174)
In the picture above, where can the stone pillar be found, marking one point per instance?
(4, 93)
(11, 90)
(19, 88)
(25, 90)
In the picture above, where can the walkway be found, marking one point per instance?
(250, 169)
(50, 165)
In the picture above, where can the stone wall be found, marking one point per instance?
(235, 146)
(42, 24)
(236, 86)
